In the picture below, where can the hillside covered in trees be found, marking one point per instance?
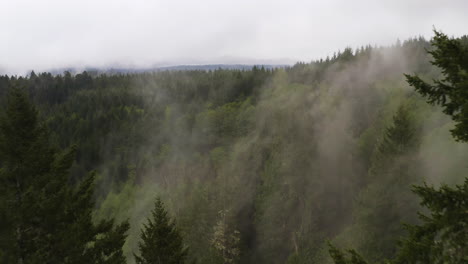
(249, 166)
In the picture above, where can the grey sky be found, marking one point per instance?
(45, 34)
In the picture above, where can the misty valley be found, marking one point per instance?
(358, 158)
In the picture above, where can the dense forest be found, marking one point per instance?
(268, 165)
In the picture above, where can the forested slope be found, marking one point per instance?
(280, 160)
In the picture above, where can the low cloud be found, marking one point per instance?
(41, 35)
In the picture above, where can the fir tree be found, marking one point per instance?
(161, 241)
(442, 237)
(44, 220)
(451, 56)
(386, 201)
(26, 163)
(341, 258)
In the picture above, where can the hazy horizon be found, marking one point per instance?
(47, 35)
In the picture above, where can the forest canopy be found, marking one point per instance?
(268, 165)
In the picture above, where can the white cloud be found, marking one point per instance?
(59, 33)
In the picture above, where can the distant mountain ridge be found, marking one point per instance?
(188, 67)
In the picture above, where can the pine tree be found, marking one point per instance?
(451, 56)
(26, 161)
(44, 220)
(387, 201)
(161, 241)
(442, 237)
(341, 258)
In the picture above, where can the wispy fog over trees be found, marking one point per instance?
(268, 165)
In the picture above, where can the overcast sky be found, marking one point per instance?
(46, 34)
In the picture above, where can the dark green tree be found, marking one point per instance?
(386, 201)
(43, 218)
(442, 237)
(26, 163)
(450, 92)
(161, 241)
(341, 258)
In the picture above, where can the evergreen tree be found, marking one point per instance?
(341, 258)
(26, 163)
(451, 56)
(44, 220)
(387, 202)
(161, 241)
(442, 237)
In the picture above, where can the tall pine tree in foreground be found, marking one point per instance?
(442, 237)
(43, 218)
(450, 92)
(161, 241)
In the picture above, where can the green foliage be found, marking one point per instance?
(385, 202)
(341, 258)
(442, 237)
(226, 240)
(451, 56)
(45, 220)
(161, 241)
(399, 139)
(299, 155)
